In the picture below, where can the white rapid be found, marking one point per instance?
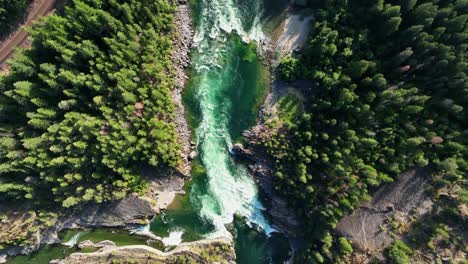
(174, 238)
(231, 190)
(73, 241)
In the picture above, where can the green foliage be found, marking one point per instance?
(288, 68)
(89, 104)
(391, 96)
(10, 12)
(250, 52)
(398, 253)
(345, 246)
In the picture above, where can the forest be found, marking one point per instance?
(88, 105)
(11, 12)
(390, 95)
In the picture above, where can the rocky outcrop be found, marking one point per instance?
(19, 226)
(205, 251)
(101, 244)
(126, 212)
(282, 215)
(369, 227)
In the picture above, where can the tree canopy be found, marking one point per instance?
(11, 12)
(88, 105)
(391, 95)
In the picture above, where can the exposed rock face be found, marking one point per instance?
(17, 227)
(399, 200)
(282, 215)
(206, 251)
(130, 210)
(123, 213)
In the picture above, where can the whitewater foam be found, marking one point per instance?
(73, 241)
(231, 190)
(174, 238)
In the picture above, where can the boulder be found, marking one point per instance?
(239, 149)
(106, 243)
(193, 155)
(130, 210)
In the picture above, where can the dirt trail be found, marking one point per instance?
(19, 37)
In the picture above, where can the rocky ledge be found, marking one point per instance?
(180, 57)
(261, 166)
(205, 251)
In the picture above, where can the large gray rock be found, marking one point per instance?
(401, 200)
(3, 258)
(128, 211)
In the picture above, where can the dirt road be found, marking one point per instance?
(19, 37)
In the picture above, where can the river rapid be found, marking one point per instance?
(228, 82)
(227, 85)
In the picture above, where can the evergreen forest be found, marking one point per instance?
(10, 12)
(88, 105)
(390, 94)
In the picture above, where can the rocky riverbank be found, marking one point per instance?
(288, 38)
(205, 251)
(34, 229)
(180, 56)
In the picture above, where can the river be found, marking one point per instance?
(227, 84)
